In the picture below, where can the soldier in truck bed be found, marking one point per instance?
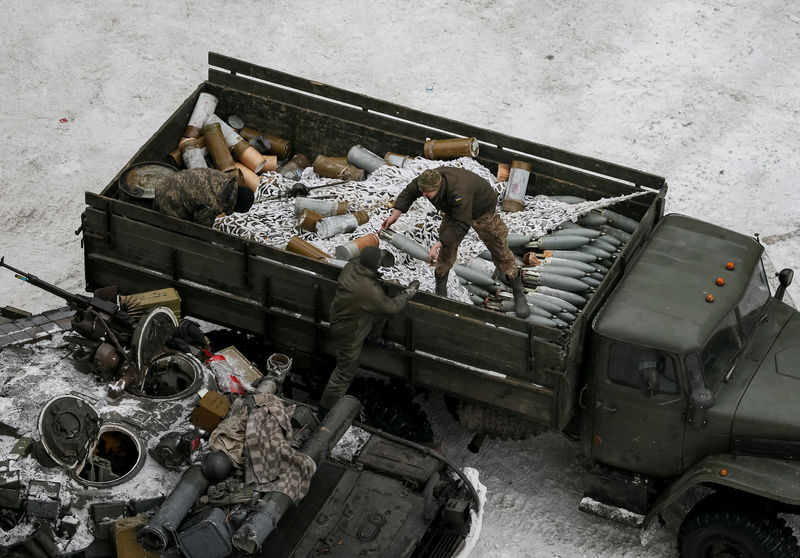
(200, 195)
(466, 200)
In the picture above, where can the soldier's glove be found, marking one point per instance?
(412, 288)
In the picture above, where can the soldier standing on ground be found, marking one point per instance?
(358, 312)
(201, 195)
(466, 200)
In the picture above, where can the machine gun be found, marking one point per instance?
(98, 318)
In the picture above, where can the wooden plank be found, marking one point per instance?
(241, 68)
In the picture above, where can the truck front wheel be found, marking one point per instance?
(715, 531)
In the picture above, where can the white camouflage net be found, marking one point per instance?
(273, 222)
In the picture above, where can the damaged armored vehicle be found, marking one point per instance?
(167, 448)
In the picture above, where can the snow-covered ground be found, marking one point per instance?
(703, 92)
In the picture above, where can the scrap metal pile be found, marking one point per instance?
(205, 462)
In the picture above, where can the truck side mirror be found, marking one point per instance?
(700, 402)
(785, 277)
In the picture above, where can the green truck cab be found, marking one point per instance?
(664, 389)
(692, 381)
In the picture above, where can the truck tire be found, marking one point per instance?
(389, 406)
(714, 528)
(495, 423)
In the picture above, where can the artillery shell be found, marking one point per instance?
(565, 242)
(476, 300)
(517, 240)
(600, 253)
(540, 321)
(477, 290)
(613, 240)
(615, 232)
(568, 199)
(564, 270)
(555, 281)
(564, 262)
(566, 316)
(573, 255)
(597, 275)
(591, 281)
(547, 301)
(471, 275)
(620, 221)
(573, 298)
(603, 245)
(592, 219)
(407, 245)
(577, 231)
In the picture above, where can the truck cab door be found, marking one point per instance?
(639, 410)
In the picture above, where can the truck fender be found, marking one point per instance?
(774, 479)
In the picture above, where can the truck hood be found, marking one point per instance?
(767, 420)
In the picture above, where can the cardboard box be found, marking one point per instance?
(140, 303)
(243, 367)
(211, 409)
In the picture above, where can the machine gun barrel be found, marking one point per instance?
(72, 299)
(118, 318)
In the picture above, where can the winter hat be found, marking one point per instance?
(371, 257)
(429, 181)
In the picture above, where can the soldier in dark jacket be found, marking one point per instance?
(358, 312)
(200, 195)
(466, 200)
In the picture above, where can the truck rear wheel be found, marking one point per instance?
(495, 423)
(713, 530)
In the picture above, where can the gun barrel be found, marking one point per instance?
(44, 285)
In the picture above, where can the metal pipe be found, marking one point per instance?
(270, 509)
(155, 535)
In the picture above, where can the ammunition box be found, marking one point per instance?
(106, 510)
(43, 499)
(210, 411)
(207, 535)
(68, 526)
(125, 535)
(12, 498)
(140, 303)
(21, 448)
(9, 478)
(240, 364)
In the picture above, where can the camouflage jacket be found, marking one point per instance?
(196, 195)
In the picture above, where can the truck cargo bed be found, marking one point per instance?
(465, 351)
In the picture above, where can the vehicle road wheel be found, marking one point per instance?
(714, 531)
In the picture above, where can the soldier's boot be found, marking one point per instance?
(441, 285)
(520, 300)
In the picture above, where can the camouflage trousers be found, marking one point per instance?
(492, 230)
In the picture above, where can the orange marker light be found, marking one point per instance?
(729, 266)
(723, 472)
(709, 298)
(720, 281)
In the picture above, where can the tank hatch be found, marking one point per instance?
(69, 426)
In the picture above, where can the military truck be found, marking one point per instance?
(677, 374)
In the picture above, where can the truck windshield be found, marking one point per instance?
(754, 298)
(717, 356)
